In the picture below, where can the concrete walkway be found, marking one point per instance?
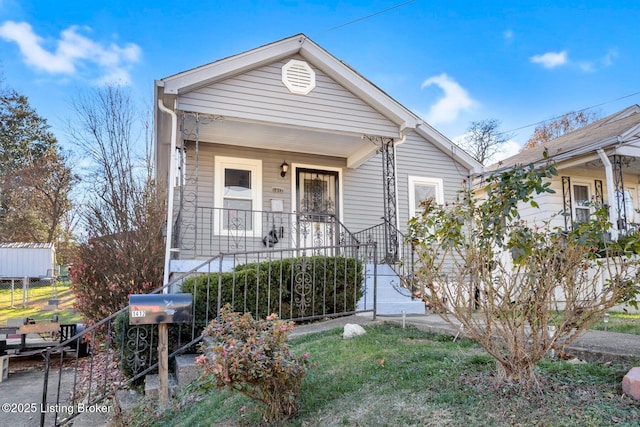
(593, 346)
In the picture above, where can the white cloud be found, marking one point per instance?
(455, 99)
(508, 149)
(607, 60)
(587, 67)
(550, 59)
(507, 35)
(74, 51)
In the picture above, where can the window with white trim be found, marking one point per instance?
(581, 202)
(238, 189)
(423, 188)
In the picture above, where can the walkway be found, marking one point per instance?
(593, 346)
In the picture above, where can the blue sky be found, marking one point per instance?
(451, 62)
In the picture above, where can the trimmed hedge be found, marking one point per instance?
(329, 285)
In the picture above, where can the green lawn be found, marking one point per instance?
(38, 299)
(404, 377)
(620, 322)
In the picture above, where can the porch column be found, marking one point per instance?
(621, 202)
(611, 185)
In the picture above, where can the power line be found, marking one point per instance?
(577, 111)
(368, 16)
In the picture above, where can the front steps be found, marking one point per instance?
(391, 297)
(185, 372)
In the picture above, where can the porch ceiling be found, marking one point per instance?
(592, 162)
(294, 139)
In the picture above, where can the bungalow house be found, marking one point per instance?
(597, 163)
(286, 146)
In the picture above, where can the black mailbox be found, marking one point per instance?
(152, 309)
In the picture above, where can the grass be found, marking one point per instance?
(404, 377)
(628, 323)
(38, 300)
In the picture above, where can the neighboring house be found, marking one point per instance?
(287, 146)
(597, 163)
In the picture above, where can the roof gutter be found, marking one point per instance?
(170, 195)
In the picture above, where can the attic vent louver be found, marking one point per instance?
(298, 77)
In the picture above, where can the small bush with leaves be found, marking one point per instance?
(252, 357)
(504, 278)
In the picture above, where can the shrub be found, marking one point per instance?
(107, 270)
(503, 278)
(329, 284)
(252, 357)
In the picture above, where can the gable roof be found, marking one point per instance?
(305, 47)
(339, 71)
(613, 130)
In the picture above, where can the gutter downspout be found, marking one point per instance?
(170, 183)
(608, 171)
(395, 179)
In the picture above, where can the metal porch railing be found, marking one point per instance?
(395, 251)
(297, 284)
(216, 230)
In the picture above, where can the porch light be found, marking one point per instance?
(284, 168)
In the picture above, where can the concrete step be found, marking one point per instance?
(152, 384)
(391, 297)
(186, 369)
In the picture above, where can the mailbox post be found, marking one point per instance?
(161, 309)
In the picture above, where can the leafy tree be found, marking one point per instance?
(484, 140)
(504, 279)
(35, 178)
(24, 135)
(124, 212)
(553, 129)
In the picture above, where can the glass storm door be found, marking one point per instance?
(317, 207)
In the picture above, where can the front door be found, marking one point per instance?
(317, 207)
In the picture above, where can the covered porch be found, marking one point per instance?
(610, 178)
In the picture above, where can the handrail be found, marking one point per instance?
(76, 340)
(403, 260)
(303, 265)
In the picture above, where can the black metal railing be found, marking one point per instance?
(295, 283)
(393, 248)
(231, 230)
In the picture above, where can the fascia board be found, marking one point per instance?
(632, 131)
(567, 158)
(231, 66)
(627, 150)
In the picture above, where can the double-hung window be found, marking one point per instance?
(423, 188)
(238, 191)
(581, 200)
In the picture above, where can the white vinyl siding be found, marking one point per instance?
(274, 187)
(419, 157)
